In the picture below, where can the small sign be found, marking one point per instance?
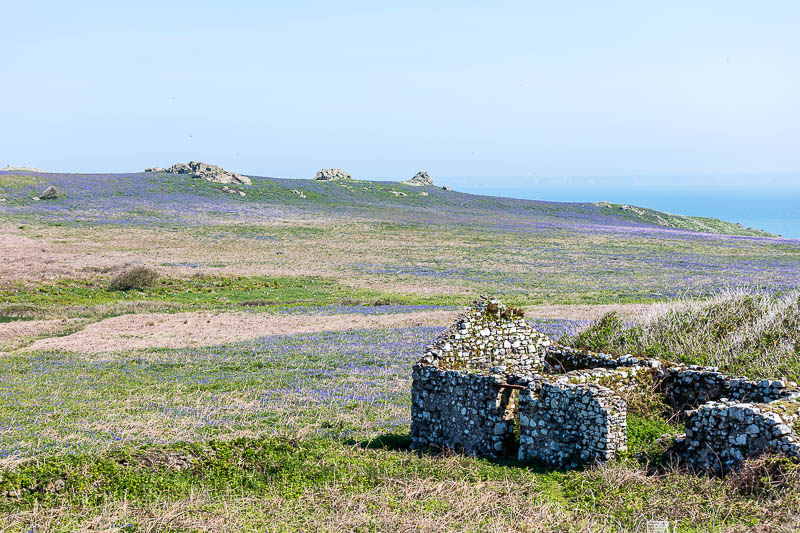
(657, 526)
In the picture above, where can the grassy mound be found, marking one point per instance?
(751, 333)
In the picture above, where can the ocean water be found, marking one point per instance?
(773, 209)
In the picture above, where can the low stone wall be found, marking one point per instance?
(566, 425)
(720, 435)
(559, 359)
(690, 387)
(461, 411)
(685, 387)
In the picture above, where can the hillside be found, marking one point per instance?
(160, 197)
(423, 243)
(260, 373)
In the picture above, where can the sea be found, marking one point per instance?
(775, 209)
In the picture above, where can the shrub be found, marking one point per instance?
(608, 333)
(138, 277)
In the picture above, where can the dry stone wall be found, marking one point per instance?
(461, 411)
(486, 336)
(566, 425)
(720, 435)
(571, 407)
(688, 387)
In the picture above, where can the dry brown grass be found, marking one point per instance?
(17, 334)
(163, 330)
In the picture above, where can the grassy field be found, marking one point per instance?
(305, 431)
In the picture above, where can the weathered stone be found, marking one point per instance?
(420, 179)
(332, 174)
(50, 193)
(208, 172)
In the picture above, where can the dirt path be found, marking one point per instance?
(130, 332)
(168, 330)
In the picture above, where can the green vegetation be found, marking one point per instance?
(648, 435)
(317, 481)
(683, 222)
(748, 333)
(93, 298)
(309, 432)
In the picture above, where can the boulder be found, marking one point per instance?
(50, 193)
(208, 172)
(154, 169)
(420, 179)
(332, 174)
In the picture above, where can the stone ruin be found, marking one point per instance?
(493, 386)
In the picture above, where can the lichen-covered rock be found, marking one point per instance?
(208, 172)
(332, 174)
(420, 179)
(50, 193)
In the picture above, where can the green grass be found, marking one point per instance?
(12, 181)
(688, 223)
(317, 479)
(90, 297)
(647, 435)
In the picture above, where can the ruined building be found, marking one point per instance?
(493, 386)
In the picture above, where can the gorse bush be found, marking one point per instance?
(743, 332)
(138, 277)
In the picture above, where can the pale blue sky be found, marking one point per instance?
(507, 89)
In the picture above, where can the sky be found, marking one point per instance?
(522, 91)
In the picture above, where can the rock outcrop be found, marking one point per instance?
(420, 179)
(332, 174)
(206, 171)
(50, 193)
(10, 168)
